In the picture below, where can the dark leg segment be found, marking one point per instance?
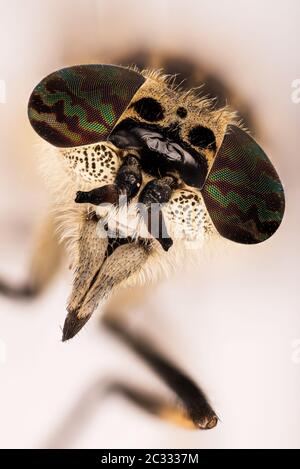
(127, 184)
(155, 405)
(108, 194)
(155, 193)
(129, 177)
(196, 406)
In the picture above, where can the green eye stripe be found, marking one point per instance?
(43, 118)
(232, 198)
(243, 193)
(108, 114)
(264, 183)
(81, 104)
(105, 110)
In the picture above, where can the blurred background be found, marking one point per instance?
(234, 324)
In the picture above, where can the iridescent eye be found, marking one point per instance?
(149, 109)
(80, 105)
(243, 192)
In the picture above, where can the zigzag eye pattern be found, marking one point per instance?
(80, 105)
(243, 192)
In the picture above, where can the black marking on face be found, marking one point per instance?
(149, 109)
(181, 112)
(162, 150)
(202, 137)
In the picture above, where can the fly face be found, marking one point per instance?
(172, 131)
(129, 142)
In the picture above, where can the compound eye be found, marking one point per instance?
(80, 105)
(243, 193)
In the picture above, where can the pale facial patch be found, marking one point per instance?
(187, 217)
(93, 163)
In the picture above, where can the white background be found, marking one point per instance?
(234, 324)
